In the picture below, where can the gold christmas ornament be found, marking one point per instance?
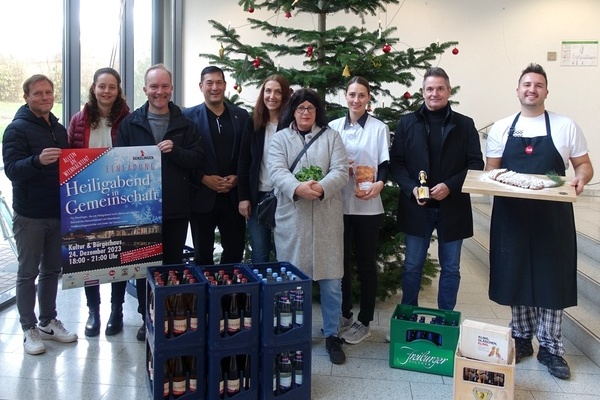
(221, 51)
(346, 73)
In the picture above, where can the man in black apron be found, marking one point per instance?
(533, 250)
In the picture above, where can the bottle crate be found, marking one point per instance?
(218, 364)
(219, 300)
(484, 379)
(424, 346)
(160, 332)
(160, 372)
(273, 331)
(271, 379)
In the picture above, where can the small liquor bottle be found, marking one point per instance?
(423, 189)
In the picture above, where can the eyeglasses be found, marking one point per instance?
(302, 110)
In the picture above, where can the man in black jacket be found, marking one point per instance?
(31, 147)
(444, 144)
(160, 122)
(215, 201)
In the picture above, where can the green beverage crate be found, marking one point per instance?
(434, 353)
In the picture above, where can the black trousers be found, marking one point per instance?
(174, 233)
(232, 227)
(361, 233)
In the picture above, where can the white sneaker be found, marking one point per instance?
(56, 331)
(345, 324)
(387, 337)
(32, 342)
(357, 333)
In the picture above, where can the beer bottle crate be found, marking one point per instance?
(159, 327)
(219, 362)
(271, 379)
(424, 346)
(219, 299)
(272, 332)
(160, 373)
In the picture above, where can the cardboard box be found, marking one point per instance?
(474, 379)
(485, 342)
(424, 346)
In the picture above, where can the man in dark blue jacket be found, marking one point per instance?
(444, 144)
(160, 122)
(31, 147)
(215, 201)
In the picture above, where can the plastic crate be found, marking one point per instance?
(218, 362)
(157, 297)
(271, 332)
(484, 380)
(423, 347)
(270, 388)
(155, 372)
(218, 297)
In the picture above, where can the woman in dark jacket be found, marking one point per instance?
(96, 126)
(253, 178)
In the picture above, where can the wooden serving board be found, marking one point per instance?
(480, 183)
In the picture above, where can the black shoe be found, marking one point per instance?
(557, 366)
(115, 321)
(523, 348)
(141, 333)
(92, 325)
(333, 344)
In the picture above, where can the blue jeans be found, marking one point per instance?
(261, 240)
(449, 259)
(331, 305)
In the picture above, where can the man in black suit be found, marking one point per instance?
(215, 200)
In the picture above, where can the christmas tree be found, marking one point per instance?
(326, 58)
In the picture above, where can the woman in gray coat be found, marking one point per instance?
(309, 218)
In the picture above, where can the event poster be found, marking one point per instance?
(111, 213)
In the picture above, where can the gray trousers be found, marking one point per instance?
(39, 253)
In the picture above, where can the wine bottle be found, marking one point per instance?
(285, 314)
(178, 378)
(285, 373)
(247, 372)
(193, 310)
(222, 381)
(179, 316)
(275, 373)
(299, 308)
(233, 377)
(298, 368)
(168, 371)
(193, 373)
(423, 189)
(233, 318)
(248, 313)
(275, 315)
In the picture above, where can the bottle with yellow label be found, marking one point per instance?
(423, 189)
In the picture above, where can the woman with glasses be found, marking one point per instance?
(253, 178)
(96, 126)
(309, 217)
(367, 143)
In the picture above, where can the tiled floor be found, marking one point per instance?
(114, 368)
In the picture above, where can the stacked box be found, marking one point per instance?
(475, 379)
(165, 383)
(276, 330)
(160, 331)
(175, 339)
(219, 301)
(485, 342)
(276, 382)
(427, 346)
(245, 384)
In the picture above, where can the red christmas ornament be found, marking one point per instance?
(250, 10)
(406, 95)
(235, 86)
(386, 48)
(455, 51)
(256, 62)
(288, 14)
(309, 51)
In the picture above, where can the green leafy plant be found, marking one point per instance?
(312, 173)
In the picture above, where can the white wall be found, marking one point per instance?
(497, 39)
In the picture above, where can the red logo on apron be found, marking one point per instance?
(528, 149)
